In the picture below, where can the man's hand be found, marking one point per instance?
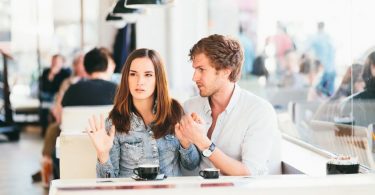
(192, 128)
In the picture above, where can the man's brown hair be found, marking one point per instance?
(223, 52)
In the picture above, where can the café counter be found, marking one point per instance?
(276, 184)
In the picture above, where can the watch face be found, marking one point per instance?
(206, 153)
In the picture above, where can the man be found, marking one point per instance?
(97, 89)
(240, 128)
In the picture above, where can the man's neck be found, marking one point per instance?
(220, 100)
(99, 75)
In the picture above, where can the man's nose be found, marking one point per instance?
(195, 76)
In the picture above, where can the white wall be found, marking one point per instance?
(172, 31)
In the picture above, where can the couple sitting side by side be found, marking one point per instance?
(227, 127)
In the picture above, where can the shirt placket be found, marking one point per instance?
(154, 146)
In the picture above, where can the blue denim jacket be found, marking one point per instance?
(140, 147)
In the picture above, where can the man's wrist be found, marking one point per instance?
(204, 144)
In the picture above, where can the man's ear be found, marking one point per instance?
(227, 72)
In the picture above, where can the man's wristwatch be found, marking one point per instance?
(208, 152)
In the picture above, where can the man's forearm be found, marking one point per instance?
(228, 165)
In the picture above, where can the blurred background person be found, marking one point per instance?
(291, 78)
(95, 89)
(49, 84)
(351, 83)
(249, 52)
(323, 50)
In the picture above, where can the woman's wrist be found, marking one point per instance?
(185, 144)
(103, 157)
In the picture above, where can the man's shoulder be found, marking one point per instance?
(94, 82)
(250, 101)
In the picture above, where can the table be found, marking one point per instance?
(225, 185)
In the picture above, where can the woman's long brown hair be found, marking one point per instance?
(168, 110)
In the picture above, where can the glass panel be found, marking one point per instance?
(311, 66)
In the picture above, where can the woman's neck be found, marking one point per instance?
(144, 108)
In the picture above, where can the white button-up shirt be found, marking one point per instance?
(244, 131)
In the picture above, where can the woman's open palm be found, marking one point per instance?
(103, 140)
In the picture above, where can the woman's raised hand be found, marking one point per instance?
(103, 140)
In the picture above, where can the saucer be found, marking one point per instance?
(159, 177)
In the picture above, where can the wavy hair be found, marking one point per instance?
(223, 52)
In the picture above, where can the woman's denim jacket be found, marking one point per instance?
(140, 147)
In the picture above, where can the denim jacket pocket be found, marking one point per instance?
(171, 143)
(134, 150)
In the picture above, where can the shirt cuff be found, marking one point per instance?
(103, 168)
(186, 151)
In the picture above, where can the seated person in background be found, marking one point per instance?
(351, 83)
(93, 90)
(140, 128)
(241, 128)
(49, 84)
(259, 68)
(291, 78)
(79, 73)
(315, 91)
(97, 89)
(52, 78)
(361, 106)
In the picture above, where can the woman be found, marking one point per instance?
(140, 127)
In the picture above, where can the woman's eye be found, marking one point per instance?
(148, 75)
(132, 74)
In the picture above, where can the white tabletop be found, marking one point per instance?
(282, 184)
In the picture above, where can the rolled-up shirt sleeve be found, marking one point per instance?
(258, 142)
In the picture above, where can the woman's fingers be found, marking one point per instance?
(92, 124)
(101, 121)
(197, 118)
(97, 123)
